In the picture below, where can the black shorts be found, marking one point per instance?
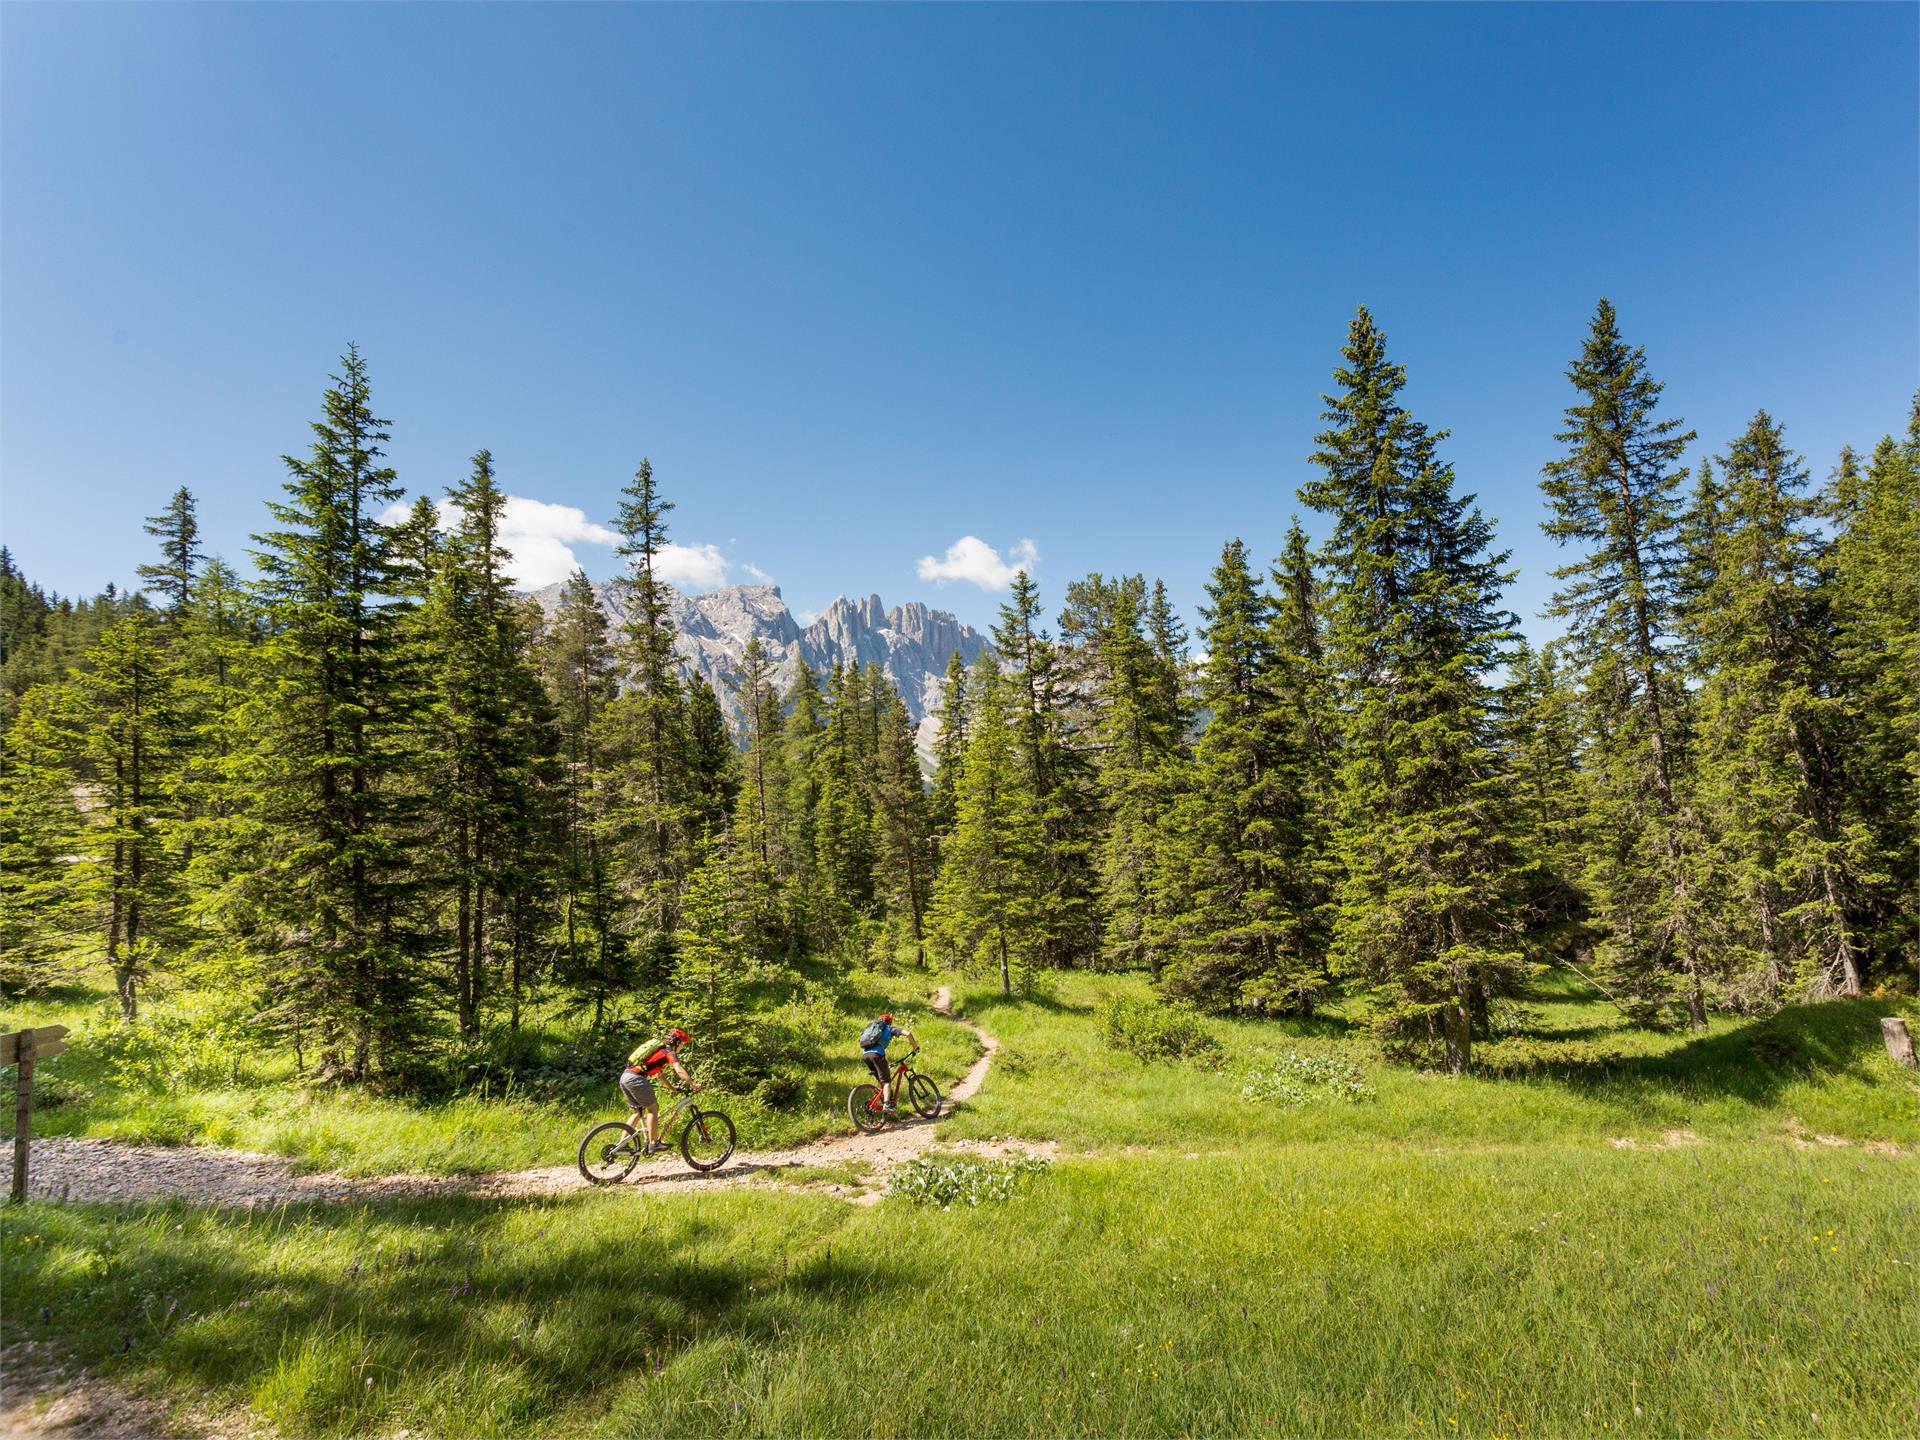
(637, 1089)
(877, 1062)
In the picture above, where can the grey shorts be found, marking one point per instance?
(637, 1089)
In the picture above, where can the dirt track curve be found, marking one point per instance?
(109, 1171)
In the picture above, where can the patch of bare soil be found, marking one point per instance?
(42, 1398)
(106, 1170)
(1672, 1140)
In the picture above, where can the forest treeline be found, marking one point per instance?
(386, 804)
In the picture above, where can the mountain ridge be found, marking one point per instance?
(911, 642)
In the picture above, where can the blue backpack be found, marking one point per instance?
(875, 1036)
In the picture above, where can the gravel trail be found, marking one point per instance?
(107, 1170)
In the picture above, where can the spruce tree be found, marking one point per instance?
(178, 530)
(989, 900)
(949, 749)
(649, 729)
(1249, 879)
(1876, 607)
(129, 732)
(1058, 774)
(1773, 734)
(1425, 917)
(902, 862)
(1614, 494)
(314, 859)
(44, 915)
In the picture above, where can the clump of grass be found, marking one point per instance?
(1295, 1079)
(949, 1180)
(1153, 1029)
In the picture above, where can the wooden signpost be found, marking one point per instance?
(23, 1048)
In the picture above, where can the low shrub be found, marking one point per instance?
(1153, 1029)
(949, 1180)
(1293, 1079)
(173, 1052)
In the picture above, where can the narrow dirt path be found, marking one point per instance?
(107, 1170)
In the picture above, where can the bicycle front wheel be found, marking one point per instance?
(863, 1108)
(924, 1096)
(609, 1153)
(706, 1140)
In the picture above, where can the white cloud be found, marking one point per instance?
(755, 573)
(691, 567)
(971, 559)
(539, 536)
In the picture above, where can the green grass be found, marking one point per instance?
(1581, 1077)
(506, 1129)
(1321, 1289)
(1453, 1256)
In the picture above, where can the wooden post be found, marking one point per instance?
(1899, 1043)
(22, 1114)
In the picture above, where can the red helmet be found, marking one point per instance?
(888, 1019)
(679, 1037)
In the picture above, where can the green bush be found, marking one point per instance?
(948, 1180)
(1293, 1079)
(1153, 1029)
(173, 1052)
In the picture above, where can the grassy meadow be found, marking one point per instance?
(1608, 1233)
(187, 1087)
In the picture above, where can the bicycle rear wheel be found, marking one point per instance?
(609, 1153)
(863, 1108)
(924, 1096)
(706, 1140)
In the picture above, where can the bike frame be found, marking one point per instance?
(900, 1073)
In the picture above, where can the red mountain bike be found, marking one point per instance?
(864, 1105)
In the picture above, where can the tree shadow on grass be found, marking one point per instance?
(1753, 1061)
(451, 1295)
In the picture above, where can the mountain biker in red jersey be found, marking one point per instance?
(636, 1082)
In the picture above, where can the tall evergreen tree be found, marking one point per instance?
(1425, 907)
(1773, 734)
(1876, 607)
(1058, 775)
(1251, 901)
(949, 749)
(178, 529)
(648, 723)
(989, 899)
(1615, 494)
(314, 858)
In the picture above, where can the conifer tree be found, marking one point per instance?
(648, 726)
(313, 864)
(842, 825)
(1876, 608)
(178, 529)
(42, 913)
(949, 749)
(127, 705)
(578, 666)
(1425, 910)
(1614, 495)
(1773, 734)
(713, 770)
(1138, 747)
(988, 902)
(1058, 775)
(901, 861)
(1252, 909)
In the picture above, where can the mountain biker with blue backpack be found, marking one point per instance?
(873, 1049)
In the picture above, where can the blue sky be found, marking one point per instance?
(864, 282)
